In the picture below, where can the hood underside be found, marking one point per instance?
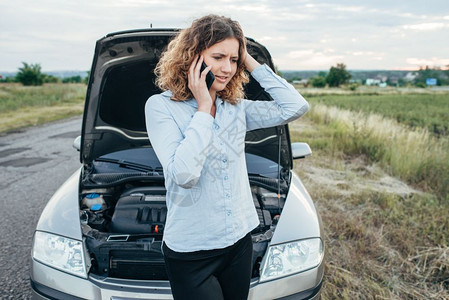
(122, 79)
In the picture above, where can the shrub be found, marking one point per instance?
(51, 79)
(8, 79)
(318, 81)
(420, 84)
(353, 86)
(30, 74)
(73, 79)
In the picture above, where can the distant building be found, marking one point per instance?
(394, 80)
(382, 78)
(372, 81)
(410, 76)
(302, 81)
(431, 81)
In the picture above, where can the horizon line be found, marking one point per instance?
(282, 70)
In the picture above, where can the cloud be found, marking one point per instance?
(136, 3)
(300, 54)
(426, 26)
(271, 39)
(308, 59)
(360, 53)
(349, 8)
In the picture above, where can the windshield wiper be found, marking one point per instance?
(130, 165)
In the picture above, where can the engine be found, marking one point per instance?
(123, 229)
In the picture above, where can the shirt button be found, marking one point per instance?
(216, 127)
(229, 213)
(227, 195)
(226, 178)
(224, 160)
(230, 112)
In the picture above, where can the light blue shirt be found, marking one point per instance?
(209, 200)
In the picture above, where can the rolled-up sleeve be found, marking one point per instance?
(288, 104)
(182, 155)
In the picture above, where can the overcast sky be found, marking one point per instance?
(300, 34)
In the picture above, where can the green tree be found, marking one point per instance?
(86, 79)
(294, 78)
(73, 79)
(30, 74)
(51, 79)
(428, 72)
(318, 81)
(338, 75)
(8, 79)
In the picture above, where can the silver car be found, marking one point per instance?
(99, 236)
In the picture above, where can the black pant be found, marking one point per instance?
(211, 274)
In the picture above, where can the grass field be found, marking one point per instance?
(430, 111)
(380, 184)
(22, 106)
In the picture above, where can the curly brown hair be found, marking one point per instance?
(173, 67)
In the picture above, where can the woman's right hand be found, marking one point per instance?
(197, 85)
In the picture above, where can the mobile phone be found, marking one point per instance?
(209, 77)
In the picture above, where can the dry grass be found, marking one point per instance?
(415, 156)
(384, 239)
(22, 106)
(31, 116)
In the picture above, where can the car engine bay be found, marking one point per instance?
(123, 225)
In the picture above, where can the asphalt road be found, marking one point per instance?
(33, 163)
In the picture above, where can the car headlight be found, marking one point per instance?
(293, 257)
(59, 252)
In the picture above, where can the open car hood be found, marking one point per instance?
(122, 79)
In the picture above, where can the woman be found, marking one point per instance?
(198, 136)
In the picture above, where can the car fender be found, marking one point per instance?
(299, 219)
(61, 214)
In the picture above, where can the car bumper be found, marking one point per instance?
(49, 283)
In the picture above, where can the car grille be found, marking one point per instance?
(141, 265)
